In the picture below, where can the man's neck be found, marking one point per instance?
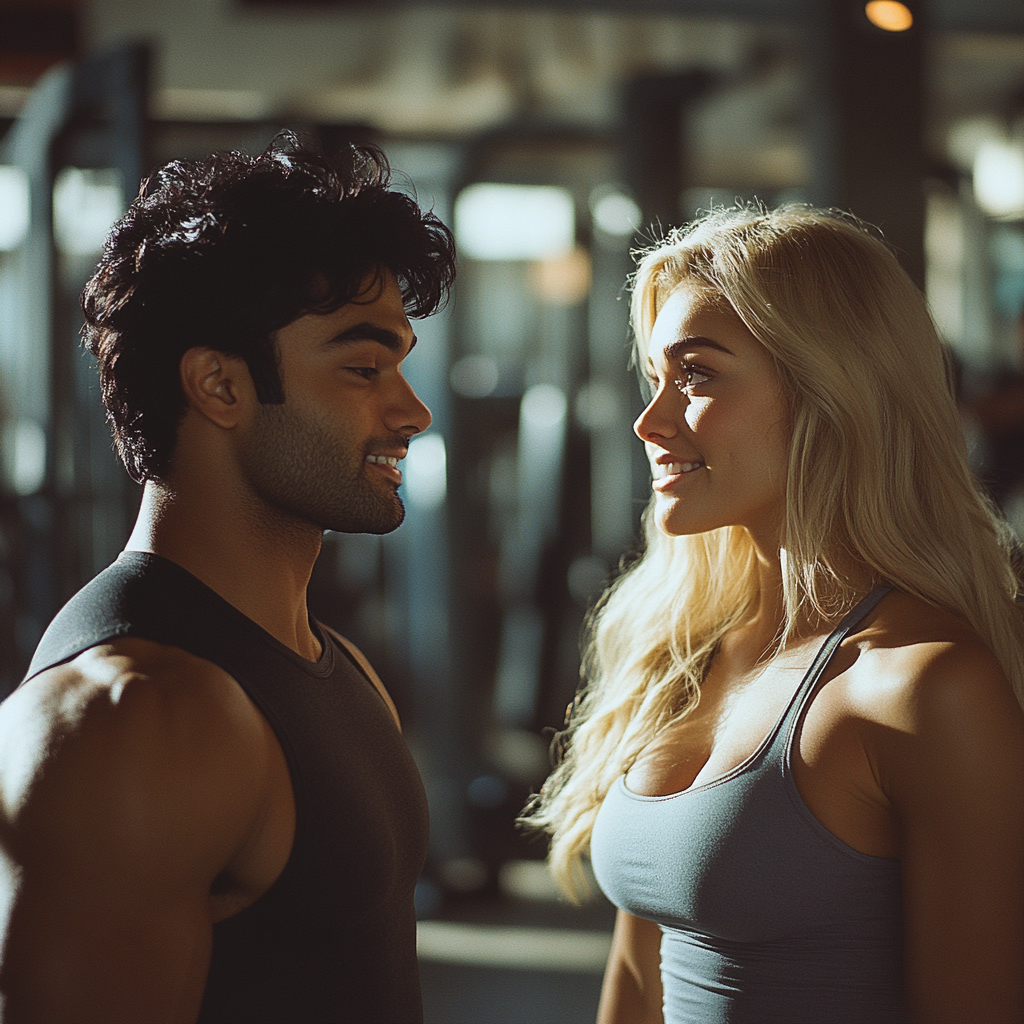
(255, 562)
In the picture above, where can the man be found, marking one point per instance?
(207, 810)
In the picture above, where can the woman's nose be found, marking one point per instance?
(656, 421)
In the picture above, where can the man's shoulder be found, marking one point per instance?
(129, 732)
(124, 683)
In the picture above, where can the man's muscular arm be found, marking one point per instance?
(126, 787)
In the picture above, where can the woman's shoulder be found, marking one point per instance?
(923, 667)
(907, 626)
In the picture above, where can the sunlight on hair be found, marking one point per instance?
(878, 489)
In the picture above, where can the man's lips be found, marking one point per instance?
(386, 463)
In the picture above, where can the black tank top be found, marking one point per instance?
(333, 940)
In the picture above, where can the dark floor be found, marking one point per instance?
(455, 993)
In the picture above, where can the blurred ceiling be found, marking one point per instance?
(35, 35)
(975, 15)
(420, 70)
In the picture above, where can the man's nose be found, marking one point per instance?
(407, 414)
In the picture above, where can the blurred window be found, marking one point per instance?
(14, 207)
(514, 222)
(85, 205)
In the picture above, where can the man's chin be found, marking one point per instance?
(379, 522)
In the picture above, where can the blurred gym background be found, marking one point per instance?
(555, 137)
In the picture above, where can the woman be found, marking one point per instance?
(798, 829)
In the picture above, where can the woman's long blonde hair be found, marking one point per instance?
(878, 489)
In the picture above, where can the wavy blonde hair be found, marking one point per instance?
(878, 488)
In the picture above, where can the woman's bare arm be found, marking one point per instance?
(631, 993)
(951, 761)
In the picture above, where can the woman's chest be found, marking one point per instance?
(731, 720)
(741, 861)
(828, 749)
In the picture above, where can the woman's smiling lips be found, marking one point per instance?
(667, 471)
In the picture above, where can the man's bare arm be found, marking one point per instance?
(126, 787)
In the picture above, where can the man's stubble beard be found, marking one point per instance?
(306, 472)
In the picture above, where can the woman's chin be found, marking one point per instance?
(674, 522)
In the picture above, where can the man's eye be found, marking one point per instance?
(366, 372)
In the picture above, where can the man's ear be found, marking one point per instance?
(217, 385)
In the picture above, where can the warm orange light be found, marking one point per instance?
(889, 15)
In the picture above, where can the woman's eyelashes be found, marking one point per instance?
(690, 377)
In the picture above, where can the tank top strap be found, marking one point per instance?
(801, 698)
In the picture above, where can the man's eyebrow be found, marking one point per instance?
(682, 344)
(372, 332)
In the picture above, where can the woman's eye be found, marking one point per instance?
(691, 377)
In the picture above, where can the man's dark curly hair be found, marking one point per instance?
(222, 252)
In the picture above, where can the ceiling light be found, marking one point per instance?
(889, 15)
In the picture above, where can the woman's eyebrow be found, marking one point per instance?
(682, 344)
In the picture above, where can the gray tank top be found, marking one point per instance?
(766, 917)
